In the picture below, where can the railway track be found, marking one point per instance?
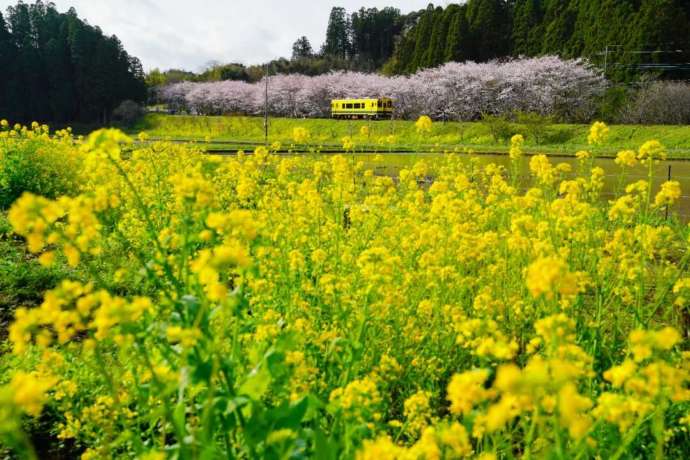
(231, 147)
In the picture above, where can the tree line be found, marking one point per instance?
(361, 41)
(624, 36)
(549, 86)
(56, 67)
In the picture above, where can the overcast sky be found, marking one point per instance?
(190, 33)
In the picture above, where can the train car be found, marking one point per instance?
(374, 109)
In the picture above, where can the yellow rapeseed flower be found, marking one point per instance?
(467, 390)
(669, 194)
(423, 124)
(516, 143)
(626, 158)
(598, 133)
(29, 391)
(651, 151)
(300, 135)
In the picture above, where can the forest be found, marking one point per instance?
(56, 67)
(627, 38)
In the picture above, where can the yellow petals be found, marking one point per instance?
(29, 391)
(423, 124)
(598, 133)
(467, 389)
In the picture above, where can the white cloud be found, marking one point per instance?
(188, 34)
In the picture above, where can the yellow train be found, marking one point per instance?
(362, 108)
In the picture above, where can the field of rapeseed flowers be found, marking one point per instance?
(290, 307)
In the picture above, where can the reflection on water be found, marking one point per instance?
(615, 179)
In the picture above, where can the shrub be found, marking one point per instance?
(128, 112)
(613, 102)
(661, 102)
(499, 127)
(534, 125)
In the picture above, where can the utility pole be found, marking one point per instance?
(266, 106)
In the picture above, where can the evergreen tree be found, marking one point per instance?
(337, 34)
(527, 27)
(373, 33)
(490, 26)
(457, 37)
(302, 49)
(559, 17)
(437, 44)
(422, 39)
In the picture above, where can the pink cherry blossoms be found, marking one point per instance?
(455, 91)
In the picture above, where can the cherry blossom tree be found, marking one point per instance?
(455, 91)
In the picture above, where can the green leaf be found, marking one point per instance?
(257, 383)
(202, 370)
(292, 415)
(179, 418)
(324, 449)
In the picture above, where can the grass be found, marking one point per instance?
(228, 133)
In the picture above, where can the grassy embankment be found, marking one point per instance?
(229, 133)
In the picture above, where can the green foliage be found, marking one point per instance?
(373, 36)
(499, 127)
(527, 27)
(535, 126)
(613, 103)
(302, 49)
